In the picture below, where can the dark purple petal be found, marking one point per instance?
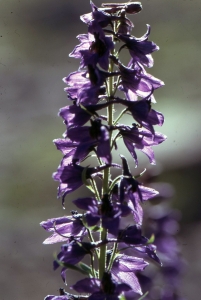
(87, 285)
(63, 229)
(127, 263)
(140, 139)
(94, 48)
(136, 80)
(72, 253)
(130, 279)
(74, 115)
(85, 203)
(98, 14)
(132, 235)
(140, 48)
(150, 250)
(70, 176)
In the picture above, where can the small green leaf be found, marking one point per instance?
(70, 266)
(143, 296)
(152, 239)
(85, 268)
(84, 180)
(140, 174)
(122, 297)
(114, 182)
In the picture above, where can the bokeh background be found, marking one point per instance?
(35, 40)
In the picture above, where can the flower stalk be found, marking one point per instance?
(121, 251)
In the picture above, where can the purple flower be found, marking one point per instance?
(140, 49)
(150, 250)
(68, 148)
(142, 112)
(109, 212)
(132, 235)
(99, 15)
(141, 139)
(64, 228)
(71, 254)
(89, 137)
(94, 48)
(75, 115)
(85, 86)
(135, 80)
(124, 268)
(70, 177)
(134, 192)
(106, 289)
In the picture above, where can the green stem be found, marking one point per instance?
(92, 240)
(120, 115)
(112, 256)
(106, 177)
(96, 192)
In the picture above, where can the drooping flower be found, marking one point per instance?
(105, 289)
(142, 112)
(89, 137)
(64, 228)
(141, 139)
(71, 254)
(124, 268)
(132, 235)
(134, 192)
(71, 177)
(94, 48)
(75, 115)
(99, 15)
(135, 80)
(110, 213)
(140, 49)
(85, 86)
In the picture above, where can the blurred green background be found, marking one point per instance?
(35, 40)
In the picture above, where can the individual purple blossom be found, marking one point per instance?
(134, 192)
(135, 80)
(64, 228)
(71, 254)
(100, 16)
(149, 250)
(124, 268)
(75, 115)
(94, 48)
(88, 138)
(132, 235)
(106, 289)
(143, 113)
(85, 86)
(140, 49)
(70, 177)
(68, 148)
(141, 139)
(110, 213)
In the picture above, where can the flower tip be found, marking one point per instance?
(65, 79)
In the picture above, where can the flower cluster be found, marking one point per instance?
(98, 228)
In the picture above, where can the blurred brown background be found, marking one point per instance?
(35, 40)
